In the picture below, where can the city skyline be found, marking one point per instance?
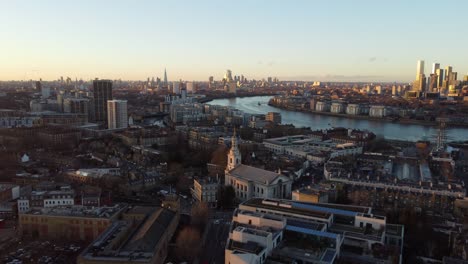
(302, 41)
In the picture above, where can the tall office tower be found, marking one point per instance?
(433, 82)
(270, 80)
(211, 79)
(420, 84)
(453, 79)
(435, 67)
(440, 77)
(165, 77)
(117, 114)
(448, 73)
(228, 76)
(102, 90)
(419, 69)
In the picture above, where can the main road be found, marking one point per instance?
(409, 132)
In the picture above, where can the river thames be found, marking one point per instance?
(409, 132)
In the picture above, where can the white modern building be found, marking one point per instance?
(337, 108)
(285, 231)
(353, 109)
(117, 114)
(378, 111)
(322, 106)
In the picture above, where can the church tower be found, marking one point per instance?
(234, 156)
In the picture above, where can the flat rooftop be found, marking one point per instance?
(357, 232)
(286, 206)
(124, 241)
(352, 208)
(248, 247)
(79, 211)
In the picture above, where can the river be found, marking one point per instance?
(409, 132)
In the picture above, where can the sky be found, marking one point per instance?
(293, 40)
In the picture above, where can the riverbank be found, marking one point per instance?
(383, 128)
(229, 96)
(403, 121)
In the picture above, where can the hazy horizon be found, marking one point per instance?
(301, 40)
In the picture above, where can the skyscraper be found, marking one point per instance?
(440, 77)
(448, 72)
(435, 67)
(419, 69)
(102, 90)
(420, 82)
(228, 76)
(117, 114)
(165, 77)
(433, 82)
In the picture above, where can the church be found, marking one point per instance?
(249, 182)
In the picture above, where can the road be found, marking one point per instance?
(213, 251)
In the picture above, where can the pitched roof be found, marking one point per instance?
(254, 174)
(151, 231)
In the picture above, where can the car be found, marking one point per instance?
(216, 222)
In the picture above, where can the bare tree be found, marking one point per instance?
(200, 213)
(188, 243)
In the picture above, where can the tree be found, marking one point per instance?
(219, 156)
(188, 243)
(200, 213)
(226, 196)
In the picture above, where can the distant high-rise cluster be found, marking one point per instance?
(439, 80)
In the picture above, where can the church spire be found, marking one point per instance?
(234, 139)
(234, 156)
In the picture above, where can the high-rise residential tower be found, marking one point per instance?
(117, 114)
(102, 90)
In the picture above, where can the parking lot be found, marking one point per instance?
(25, 251)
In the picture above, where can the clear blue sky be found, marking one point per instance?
(315, 40)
